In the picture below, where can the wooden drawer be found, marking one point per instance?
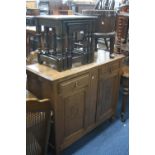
(74, 84)
(114, 66)
(104, 69)
(109, 68)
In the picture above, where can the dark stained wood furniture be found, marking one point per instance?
(38, 116)
(30, 20)
(30, 35)
(111, 36)
(104, 27)
(105, 4)
(81, 98)
(64, 28)
(31, 42)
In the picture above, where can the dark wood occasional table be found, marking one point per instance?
(63, 30)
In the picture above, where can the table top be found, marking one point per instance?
(101, 57)
(64, 17)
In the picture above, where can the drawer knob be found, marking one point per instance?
(93, 77)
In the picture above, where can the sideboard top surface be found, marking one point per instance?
(101, 58)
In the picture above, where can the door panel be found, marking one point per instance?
(74, 106)
(107, 93)
(73, 98)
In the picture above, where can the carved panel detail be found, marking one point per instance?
(107, 94)
(74, 112)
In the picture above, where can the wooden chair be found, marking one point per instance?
(105, 4)
(105, 36)
(38, 115)
(104, 28)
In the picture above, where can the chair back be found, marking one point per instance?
(105, 4)
(106, 20)
(38, 113)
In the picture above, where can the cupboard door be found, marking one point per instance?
(107, 94)
(91, 105)
(74, 112)
(73, 98)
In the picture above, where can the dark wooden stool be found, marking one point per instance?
(111, 36)
(63, 54)
(125, 85)
(104, 27)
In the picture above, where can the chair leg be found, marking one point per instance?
(96, 40)
(112, 42)
(106, 43)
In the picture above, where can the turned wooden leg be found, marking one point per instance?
(112, 42)
(106, 43)
(96, 44)
(46, 36)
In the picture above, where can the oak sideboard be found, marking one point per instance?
(81, 98)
